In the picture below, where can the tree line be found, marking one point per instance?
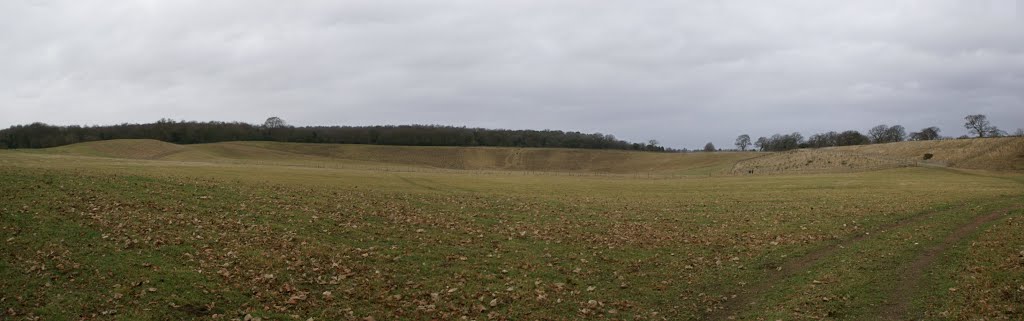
(39, 135)
(977, 125)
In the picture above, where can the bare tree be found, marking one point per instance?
(877, 133)
(849, 137)
(274, 122)
(761, 143)
(852, 137)
(884, 134)
(824, 140)
(979, 125)
(1019, 132)
(743, 141)
(930, 133)
(896, 133)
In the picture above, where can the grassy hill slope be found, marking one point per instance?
(1006, 153)
(458, 158)
(490, 158)
(132, 149)
(814, 161)
(989, 154)
(1003, 153)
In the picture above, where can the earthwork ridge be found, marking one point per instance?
(1002, 154)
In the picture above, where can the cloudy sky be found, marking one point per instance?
(681, 72)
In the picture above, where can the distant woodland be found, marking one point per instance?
(977, 125)
(39, 135)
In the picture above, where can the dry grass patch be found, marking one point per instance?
(814, 161)
(1003, 153)
(1006, 153)
(446, 158)
(122, 148)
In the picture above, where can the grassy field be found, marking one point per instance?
(141, 230)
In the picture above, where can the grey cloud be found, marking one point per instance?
(682, 72)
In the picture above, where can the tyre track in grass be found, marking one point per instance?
(434, 186)
(899, 303)
(752, 295)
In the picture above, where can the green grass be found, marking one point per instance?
(222, 240)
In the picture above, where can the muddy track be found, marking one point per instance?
(912, 278)
(741, 301)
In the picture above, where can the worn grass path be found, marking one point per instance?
(910, 284)
(899, 296)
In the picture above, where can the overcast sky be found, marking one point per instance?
(681, 72)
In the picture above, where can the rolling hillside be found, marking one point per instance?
(815, 161)
(1006, 153)
(990, 154)
(133, 149)
(458, 158)
(1003, 153)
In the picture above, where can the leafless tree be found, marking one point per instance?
(274, 122)
(743, 141)
(884, 134)
(930, 133)
(979, 125)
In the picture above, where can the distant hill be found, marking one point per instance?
(1004, 153)
(459, 158)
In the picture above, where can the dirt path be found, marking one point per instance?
(911, 281)
(752, 294)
